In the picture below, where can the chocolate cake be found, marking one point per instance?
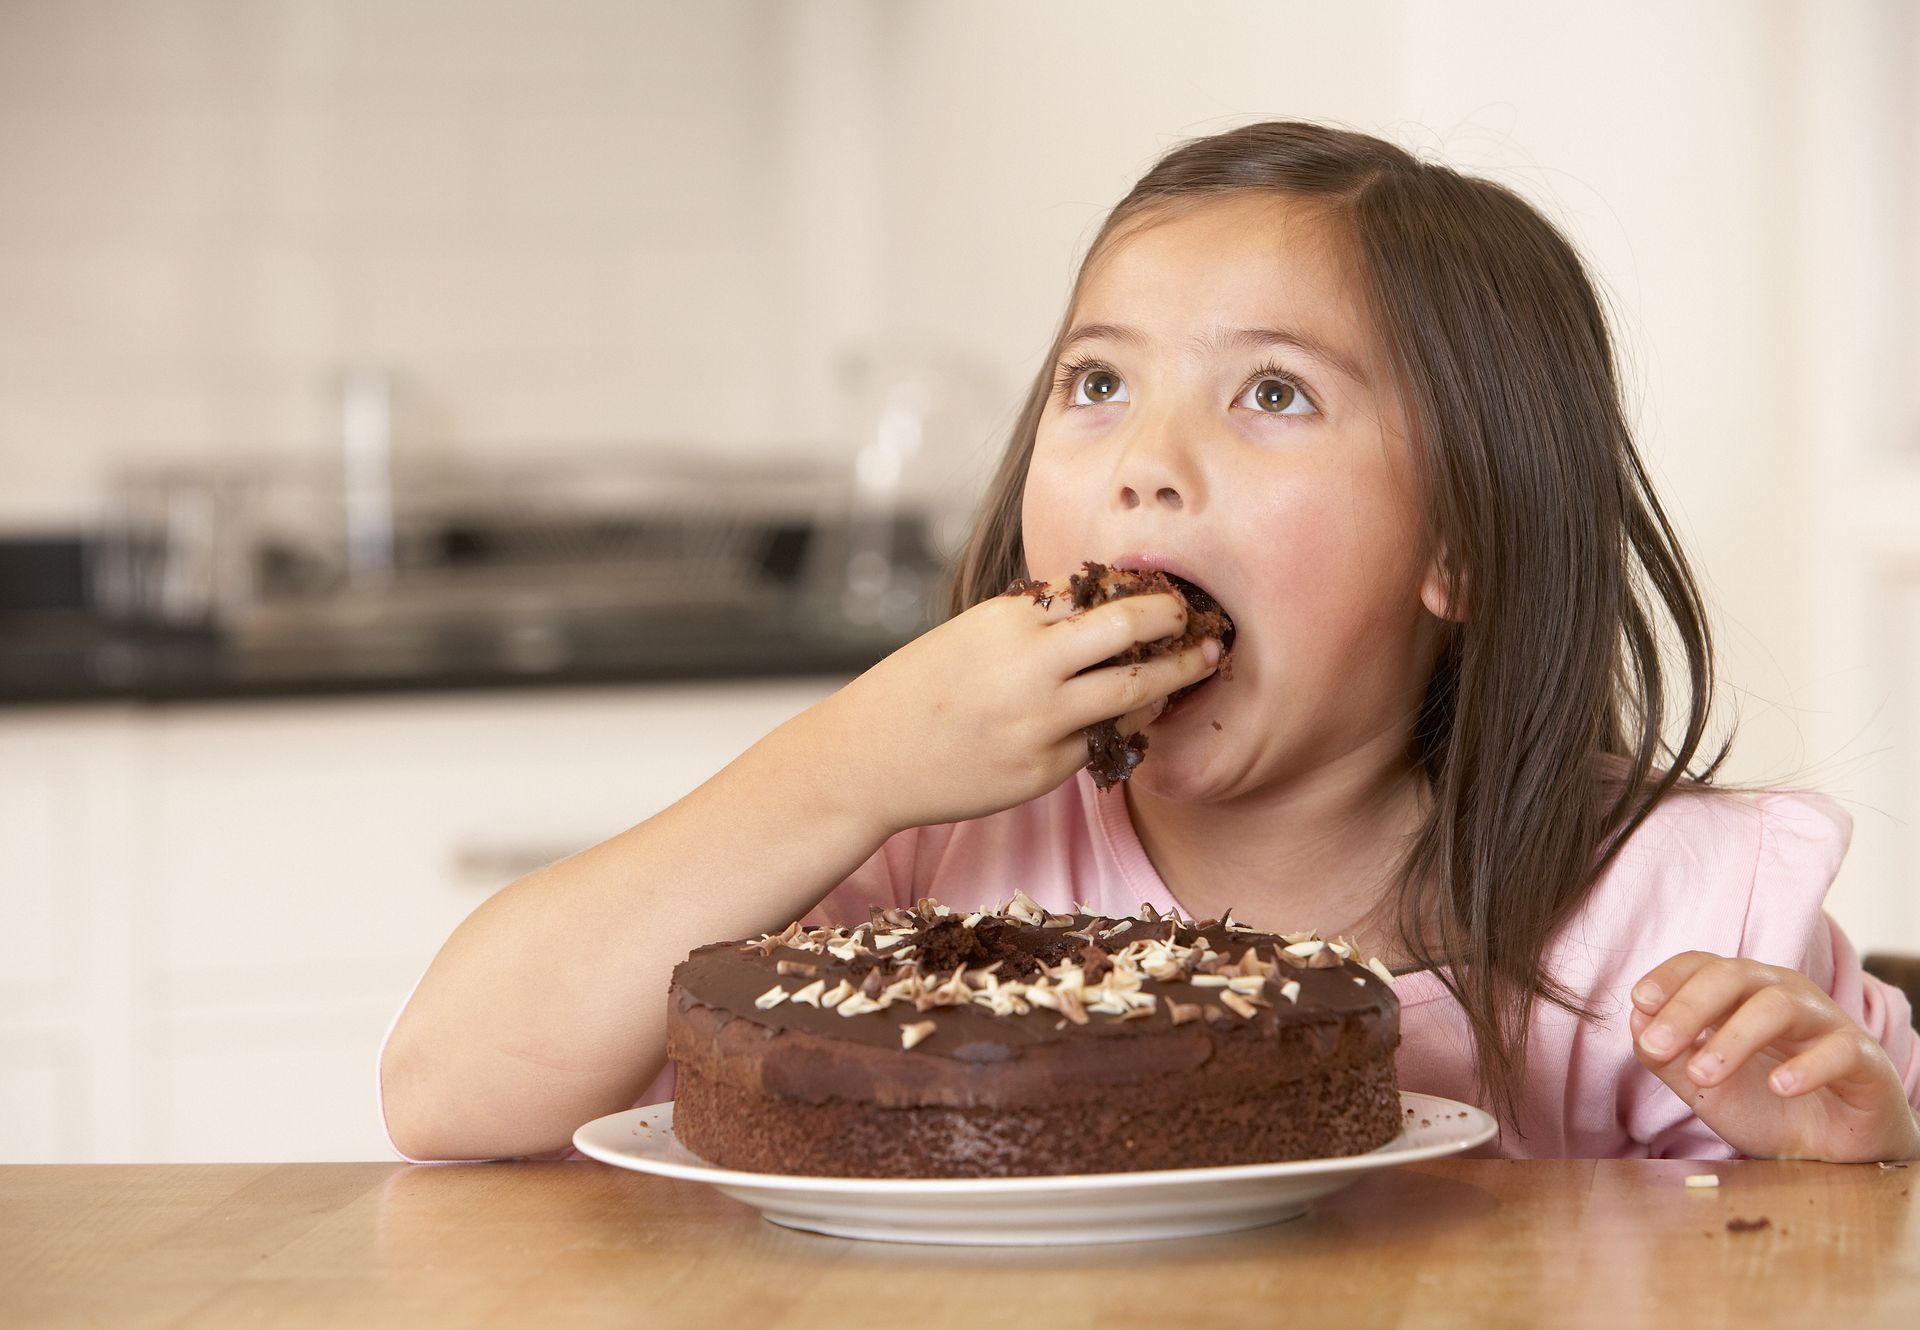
(930, 1043)
(1111, 757)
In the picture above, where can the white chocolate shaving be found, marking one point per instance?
(1239, 1004)
(913, 1034)
(1063, 986)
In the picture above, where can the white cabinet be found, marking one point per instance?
(213, 911)
(66, 852)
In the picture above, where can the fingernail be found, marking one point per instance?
(1658, 1040)
(1704, 1068)
(1647, 992)
(1159, 705)
(1210, 650)
(1783, 1080)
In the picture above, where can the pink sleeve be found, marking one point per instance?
(1780, 920)
(1880, 1008)
(1802, 840)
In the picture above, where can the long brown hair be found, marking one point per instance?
(1542, 731)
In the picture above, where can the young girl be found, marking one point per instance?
(1370, 405)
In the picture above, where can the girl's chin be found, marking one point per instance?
(1170, 777)
(1187, 706)
(1184, 747)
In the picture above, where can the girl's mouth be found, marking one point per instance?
(1205, 615)
(1205, 618)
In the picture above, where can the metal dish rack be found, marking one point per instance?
(261, 553)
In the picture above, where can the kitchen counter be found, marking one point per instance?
(1483, 1243)
(104, 667)
(455, 628)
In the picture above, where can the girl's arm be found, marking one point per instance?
(547, 1006)
(1769, 1061)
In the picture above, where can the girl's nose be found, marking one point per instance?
(1157, 471)
(1166, 495)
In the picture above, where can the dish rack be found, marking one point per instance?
(262, 552)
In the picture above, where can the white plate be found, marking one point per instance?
(1028, 1211)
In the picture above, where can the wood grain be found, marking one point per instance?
(1481, 1243)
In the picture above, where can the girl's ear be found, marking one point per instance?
(1434, 595)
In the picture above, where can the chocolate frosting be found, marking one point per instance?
(728, 977)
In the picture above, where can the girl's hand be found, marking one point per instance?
(986, 710)
(1781, 1071)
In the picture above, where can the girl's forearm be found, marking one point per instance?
(547, 1006)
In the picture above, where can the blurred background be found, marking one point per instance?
(437, 434)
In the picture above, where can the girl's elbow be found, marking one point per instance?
(408, 1125)
(419, 1127)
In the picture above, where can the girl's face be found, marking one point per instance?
(1222, 412)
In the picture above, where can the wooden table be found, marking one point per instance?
(1460, 1243)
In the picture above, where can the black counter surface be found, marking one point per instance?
(58, 648)
(68, 659)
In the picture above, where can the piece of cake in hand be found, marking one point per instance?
(1111, 756)
(1010, 1042)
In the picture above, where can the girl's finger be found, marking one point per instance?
(1140, 717)
(1664, 979)
(1122, 690)
(1085, 639)
(1713, 991)
(1052, 600)
(1768, 1016)
(1832, 1056)
(1048, 598)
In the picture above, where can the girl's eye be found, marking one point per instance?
(1100, 386)
(1273, 391)
(1276, 394)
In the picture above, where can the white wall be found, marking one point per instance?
(551, 220)
(627, 221)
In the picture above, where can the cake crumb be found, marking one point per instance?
(1698, 1180)
(1748, 1225)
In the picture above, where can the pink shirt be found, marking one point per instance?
(1731, 874)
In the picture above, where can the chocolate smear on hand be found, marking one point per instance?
(1112, 758)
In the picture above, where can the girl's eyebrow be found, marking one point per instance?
(1229, 339)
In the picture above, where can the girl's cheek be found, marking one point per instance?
(1052, 520)
(1337, 562)
(1303, 539)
